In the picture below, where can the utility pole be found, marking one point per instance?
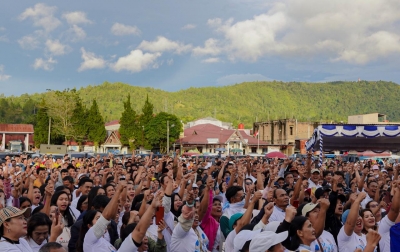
(167, 137)
(48, 138)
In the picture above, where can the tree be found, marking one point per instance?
(128, 129)
(156, 130)
(97, 130)
(79, 121)
(60, 107)
(147, 112)
(42, 126)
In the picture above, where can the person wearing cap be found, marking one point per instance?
(314, 178)
(13, 227)
(243, 239)
(316, 214)
(350, 236)
(268, 241)
(238, 220)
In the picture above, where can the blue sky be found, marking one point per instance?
(175, 45)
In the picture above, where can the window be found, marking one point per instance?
(291, 130)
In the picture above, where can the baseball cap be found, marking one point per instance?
(315, 170)
(320, 191)
(10, 212)
(195, 185)
(81, 175)
(265, 240)
(344, 215)
(220, 198)
(272, 226)
(375, 167)
(233, 219)
(308, 208)
(243, 237)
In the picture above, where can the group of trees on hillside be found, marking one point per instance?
(147, 130)
(71, 120)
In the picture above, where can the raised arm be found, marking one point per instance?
(353, 214)
(249, 211)
(395, 208)
(112, 207)
(206, 202)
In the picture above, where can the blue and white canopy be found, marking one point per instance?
(377, 138)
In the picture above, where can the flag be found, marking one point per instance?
(256, 134)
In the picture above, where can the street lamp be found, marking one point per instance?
(173, 125)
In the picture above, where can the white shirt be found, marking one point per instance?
(365, 201)
(34, 246)
(94, 240)
(277, 215)
(311, 184)
(128, 245)
(23, 246)
(327, 242)
(182, 241)
(384, 231)
(352, 242)
(229, 242)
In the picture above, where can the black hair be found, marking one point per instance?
(220, 186)
(67, 213)
(38, 219)
(246, 247)
(178, 212)
(23, 199)
(107, 185)
(84, 180)
(86, 220)
(231, 192)
(296, 224)
(100, 201)
(48, 247)
(110, 179)
(162, 178)
(93, 193)
(127, 230)
(37, 209)
(137, 200)
(69, 178)
(80, 202)
(63, 171)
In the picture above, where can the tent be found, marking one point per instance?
(346, 137)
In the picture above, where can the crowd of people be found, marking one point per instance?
(176, 204)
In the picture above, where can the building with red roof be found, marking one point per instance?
(16, 133)
(206, 138)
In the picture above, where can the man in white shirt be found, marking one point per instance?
(281, 200)
(372, 189)
(85, 184)
(314, 178)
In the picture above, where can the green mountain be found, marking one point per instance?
(247, 101)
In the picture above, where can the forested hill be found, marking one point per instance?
(246, 101)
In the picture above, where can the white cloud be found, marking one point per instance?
(42, 16)
(210, 48)
(122, 30)
(337, 31)
(45, 64)
(3, 77)
(4, 38)
(91, 61)
(162, 44)
(76, 17)
(29, 42)
(188, 27)
(136, 61)
(239, 78)
(211, 60)
(75, 33)
(54, 47)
